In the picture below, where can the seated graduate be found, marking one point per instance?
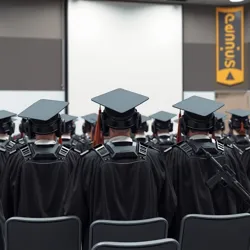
(192, 171)
(36, 175)
(122, 179)
(162, 128)
(140, 135)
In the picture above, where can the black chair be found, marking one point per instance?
(163, 244)
(208, 232)
(61, 233)
(128, 231)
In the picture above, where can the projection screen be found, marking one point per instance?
(134, 46)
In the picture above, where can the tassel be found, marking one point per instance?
(178, 137)
(60, 140)
(98, 137)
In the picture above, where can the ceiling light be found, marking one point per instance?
(236, 1)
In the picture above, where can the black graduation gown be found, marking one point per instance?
(245, 158)
(3, 159)
(241, 141)
(2, 228)
(162, 142)
(190, 174)
(82, 144)
(125, 189)
(35, 188)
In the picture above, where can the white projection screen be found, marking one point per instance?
(134, 46)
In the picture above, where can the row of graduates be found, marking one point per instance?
(120, 179)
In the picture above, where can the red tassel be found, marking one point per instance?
(178, 137)
(60, 140)
(98, 137)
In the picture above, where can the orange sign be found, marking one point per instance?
(230, 45)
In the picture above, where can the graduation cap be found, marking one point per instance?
(199, 106)
(120, 100)
(163, 116)
(90, 118)
(68, 118)
(144, 118)
(219, 115)
(43, 110)
(239, 112)
(4, 114)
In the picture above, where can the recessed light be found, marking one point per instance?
(236, 1)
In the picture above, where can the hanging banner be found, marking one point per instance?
(230, 45)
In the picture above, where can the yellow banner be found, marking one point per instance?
(230, 45)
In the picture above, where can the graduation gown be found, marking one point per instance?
(2, 228)
(120, 189)
(190, 174)
(33, 186)
(245, 158)
(241, 141)
(163, 142)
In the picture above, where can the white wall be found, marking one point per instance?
(129, 45)
(17, 101)
(205, 94)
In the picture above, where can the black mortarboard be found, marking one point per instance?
(68, 118)
(120, 100)
(144, 118)
(199, 106)
(43, 110)
(239, 112)
(219, 115)
(163, 116)
(90, 118)
(4, 114)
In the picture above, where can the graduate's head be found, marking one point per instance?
(143, 126)
(239, 121)
(162, 122)
(219, 124)
(43, 118)
(88, 126)
(7, 125)
(69, 126)
(120, 113)
(198, 115)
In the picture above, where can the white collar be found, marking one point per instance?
(199, 137)
(163, 134)
(67, 137)
(45, 142)
(4, 137)
(120, 138)
(218, 135)
(140, 136)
